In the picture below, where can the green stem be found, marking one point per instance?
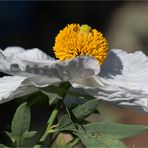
(65, 86)
(49, 127)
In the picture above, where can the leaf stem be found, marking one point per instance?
(49, 127)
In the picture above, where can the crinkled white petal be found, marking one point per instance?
(34, 54)
(13, 87)
(123, 80)
(45, 72)
(10, 51)
(12, 58)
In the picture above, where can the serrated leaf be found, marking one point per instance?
(100, 140)
(80, 112)
(3, 146)
(119, 131)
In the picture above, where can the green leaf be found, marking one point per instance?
(107, 134)
(53, 93)
(72, 143)
(51, 96)
(3, 146)
(27, 135)
(21, 120)
(65, 85)
(62, 90)
(103, 134)
(119, 131)
(20, 124)
(35, 98)
(83, 96)
(100, 140)
(84, 110)
(11, 136)
(80, 112)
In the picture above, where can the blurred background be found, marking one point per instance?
(36, 24)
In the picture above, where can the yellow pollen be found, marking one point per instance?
(75, 40)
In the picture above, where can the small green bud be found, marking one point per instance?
(85, 28)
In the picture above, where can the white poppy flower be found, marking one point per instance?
(32, 68)
(122, 79)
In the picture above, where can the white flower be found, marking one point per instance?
(123, 78)
(31, 69)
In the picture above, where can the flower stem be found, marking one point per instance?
(49, 127)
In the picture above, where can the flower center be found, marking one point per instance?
(75, 40)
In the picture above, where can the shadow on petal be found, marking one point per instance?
(112, 66)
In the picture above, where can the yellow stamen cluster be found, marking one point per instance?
(75, 40)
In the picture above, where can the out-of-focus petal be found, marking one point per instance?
(13, 87)
(124, 81)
